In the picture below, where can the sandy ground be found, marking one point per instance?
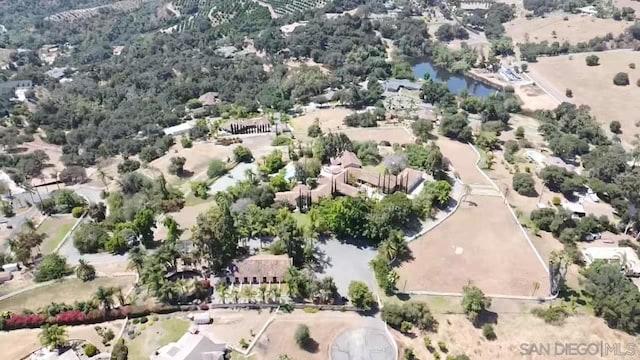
(324, 327)
(468, 242)
(462, 159)
(394, 135)
(628, 3)
(186, 217)
(590, 83)
(54, 152)
(20, 343)
(232, 325)
(515, 334)
(465, 242)
(576, 29)
(198, 158)
(294, 64)
(330, 120)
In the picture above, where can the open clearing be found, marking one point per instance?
(66, 291)
(576, 29)
(512, 330)
(56, 227)
(230, 326)
(152, 337)
(329, 119)
(480, 242)
(324, 327)
(394, 135)
(17, 344)
(589, 84)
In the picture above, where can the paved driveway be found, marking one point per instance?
(347, 262)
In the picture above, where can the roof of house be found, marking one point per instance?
(191, 347)
(574, 207)
(396, 84)
(613, 253)
(346, 159)
(262, 265)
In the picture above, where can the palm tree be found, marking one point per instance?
(248, 293)
(223, 293)
(276, 294)
(103, 176)
(29, 224)
(236, 295)
(263, 292)
(85, 271)
(104, 296)
(136, 259)
(53, 336)
(120, 296)
(167, 292)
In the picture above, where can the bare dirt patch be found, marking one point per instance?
(462, 159)
(18, 344)
(480, 242)
(628, 3)
(198, 158)
(294, 64)
(329, 119)
(324, 327)
(231, 326)
(152, 336)
(512, 330)
(576, 29)
(394, 135)
(590, 83)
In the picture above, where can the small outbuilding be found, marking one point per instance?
(202, 318)
(11, 267)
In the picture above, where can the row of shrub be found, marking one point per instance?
(11, 321)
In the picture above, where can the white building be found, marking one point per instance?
(625, 256)
(191, 347)
(180, 128)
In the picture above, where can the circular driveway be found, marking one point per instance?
(365, 343)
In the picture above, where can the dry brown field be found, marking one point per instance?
(628, 3)
(394, 135)
(512, 330)
(329, 119)
(480, 242)
(198, 158)
(462, 159)
(232, 325)
(576, 29)
(18, 344)
(594, 86)
(324, 327)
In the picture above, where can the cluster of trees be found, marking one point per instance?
(410, 36)
(455, 61)
(490, 21)
(570, 130)
(531, 50)
(408, 314)
(365, 119)
(568, 229)
(61, 201)
(448, 32)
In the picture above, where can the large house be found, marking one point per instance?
(191, 347)
(258, 269)
(625, 256)
(345, 176)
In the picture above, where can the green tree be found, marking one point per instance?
(615, 127)
(621, 79)
(474, 301)
(592, 60)
(360, 295)
(85, 271)
(52, 267)
(456, 126)
(176, 166)
(137, 258)
(120, 351)
(422, 129)
(273, 162)
(524, 184)
(302, 336)
(216, 168)
(314, 129)
(144, 223)
(53, 336)
(89, 238)
(243, 154)
(104, 297)
(613, 296)
(215, 236)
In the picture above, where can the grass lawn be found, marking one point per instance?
(303, 220)
(155, 336)
(56, 228)
(66, 291)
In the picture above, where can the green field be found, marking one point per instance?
(154, 336)
(56, 228)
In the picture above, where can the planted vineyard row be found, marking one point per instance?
(283, 7)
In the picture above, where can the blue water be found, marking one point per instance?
(455, 82)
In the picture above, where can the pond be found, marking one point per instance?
(455, 82)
